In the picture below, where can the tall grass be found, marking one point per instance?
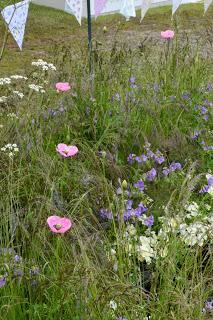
(76, 275)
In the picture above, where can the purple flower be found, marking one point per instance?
(149, 221)
(186, 96)
(3, 281)
(105, 214)
(129, 205)
(130, 158)
(175, 166)
(150, 154)
(17, 258)
(204, 189)
(128, 214)
(139, 185)
(159, 159)
(203, 110)
(166, 171)
(151, 175)
(140, 209)
(121, 318)
(172, 98)
(206, 117)
(34, 271)
(195, 135)
(208, 305)
(210, 181)
(143, 157)
(209, 86)
(116, 97)
(18, 273)
(132, 80)
(138, 159)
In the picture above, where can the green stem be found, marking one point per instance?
(4, 43)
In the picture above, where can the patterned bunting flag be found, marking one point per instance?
(175, 5)
(207, 4)
(75, 6)
(145, 7)
(15, 16)
(99, 6)
(128, 9)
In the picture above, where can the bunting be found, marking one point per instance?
(15, 17)
(145, 7)
(99, 7)
(128, 9)
(206, 4)
(175, 5)
(75, 6)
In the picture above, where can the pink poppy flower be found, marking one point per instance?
(168, 34)
(66, 151)
(62, 86)
(58, 224)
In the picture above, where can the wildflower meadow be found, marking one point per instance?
(107, 177)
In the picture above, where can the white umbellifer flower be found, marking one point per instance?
(113, 305)
(19, 94)
(10, 149)
(36, 88)
(193, 210)
(5, 81)
(44, 65)
(18, 77)
(3, 99)
(113, 252)
(194, 233)
(12, 115)
(131, 230)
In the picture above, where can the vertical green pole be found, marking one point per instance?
(89, 25)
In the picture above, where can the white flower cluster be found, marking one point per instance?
(193, 210)
(146, 248)
(3, 99)
(11, 149)
(36, 88)
(5, 81)
(18, 77)
(19, 94)
(194, 233)
(12, 115)
(44, 65)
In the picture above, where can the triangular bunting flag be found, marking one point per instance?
(206, 4)
(145, 7)
(175, 5)
(99, 6)
(15, 16)
(128, 9)
(75, 6)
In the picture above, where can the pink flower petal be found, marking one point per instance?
(63, 86)
(65, 224)
(66, 151)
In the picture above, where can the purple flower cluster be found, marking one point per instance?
(151, 175)
(132, 82)
(174, 166)
(208, 186)
(139, 185)
(149, 221)
(203, 111)
(53, 112)
(157, 156)
(208, 306)
(206, 147)
(106, 214)
(133, 213)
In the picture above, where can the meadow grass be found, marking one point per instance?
(153, 99)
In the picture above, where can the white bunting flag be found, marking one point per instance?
(207, 4)
(15, 16)
(99, 6)
(128, 9)
(145, 7)
(75, 7)
(175, 5)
